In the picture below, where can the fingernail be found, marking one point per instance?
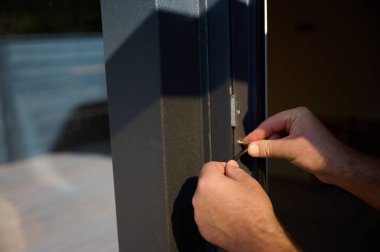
(233, 163)
(253, 150)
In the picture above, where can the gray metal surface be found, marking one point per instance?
(155, 91)
(131, 35)
(169, 74)
(248, 74)
(219, 42)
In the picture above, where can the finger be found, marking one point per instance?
(275, 136)
(213, 168)
(281, 148)
(234, 172)
(278, 123)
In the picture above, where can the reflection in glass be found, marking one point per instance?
(56, 185)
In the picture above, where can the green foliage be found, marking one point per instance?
(49, 16)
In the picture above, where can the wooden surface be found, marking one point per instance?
(59, 202)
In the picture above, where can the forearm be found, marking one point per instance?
(275, 242)
(359, 174)
(271, 238)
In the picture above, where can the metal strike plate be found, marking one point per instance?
(235, 110)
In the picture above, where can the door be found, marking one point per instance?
(185, 80)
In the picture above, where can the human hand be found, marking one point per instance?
(233, 211)
(298, 136)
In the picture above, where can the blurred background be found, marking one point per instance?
(56, 186)
(325, 55)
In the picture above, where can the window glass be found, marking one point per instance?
(56, 185)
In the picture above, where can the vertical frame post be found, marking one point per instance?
(248, 74)
(169, 67)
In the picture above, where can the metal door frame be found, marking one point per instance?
(171, 69)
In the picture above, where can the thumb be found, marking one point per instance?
(234, 172)
(279, 148)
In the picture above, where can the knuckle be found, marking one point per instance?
(208, 167)
(202, 185)
(204, 171)
(267, 150)
(303, 110)
(194, 201)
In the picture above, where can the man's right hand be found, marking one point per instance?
(298, 136)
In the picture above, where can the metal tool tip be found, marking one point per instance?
(242, 142)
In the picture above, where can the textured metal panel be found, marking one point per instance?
(169, 84)
(189, 8)
(131, 35)
(182, 87)
(220, 79)
(156, 91)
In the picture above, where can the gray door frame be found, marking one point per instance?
(171, 69)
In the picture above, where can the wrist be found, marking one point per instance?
(268, 236)
(337, 167)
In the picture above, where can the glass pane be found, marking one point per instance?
(56, 184)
